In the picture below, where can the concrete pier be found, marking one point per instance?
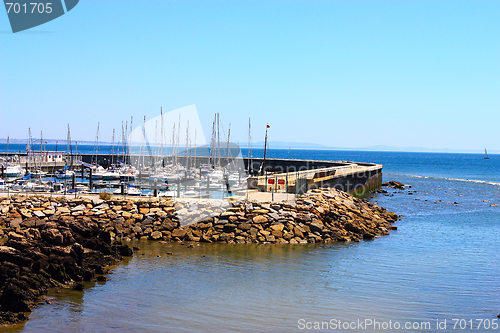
(355, 178)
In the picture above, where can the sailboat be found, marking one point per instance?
(486, 157)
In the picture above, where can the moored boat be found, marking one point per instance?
(64, 174)
(13, 170)
(130, 190)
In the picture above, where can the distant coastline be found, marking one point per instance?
(278, 145)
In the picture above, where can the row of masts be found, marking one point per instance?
(160, 149)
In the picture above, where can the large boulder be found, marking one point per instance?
(52, 236)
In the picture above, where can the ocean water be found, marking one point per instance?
(439, 272)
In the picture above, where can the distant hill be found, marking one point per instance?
(286, 145)
(283, 145)
(419, 149)
(51, 141)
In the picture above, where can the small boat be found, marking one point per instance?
(13, 170)
(64, 174)
(57, 188)
(101, 184)
(213, 186)
(134, 191)
(110, 175)
(159, 177)
(191, 194)
(79, 188)
(23, 185)
(41, 187)
(3, 186)
(486, 157)
(38, 174)
(101, 173)
(127, 176)
(131, 190)
(167, 194)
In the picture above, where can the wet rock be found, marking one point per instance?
(179, 233)
(395, 185)
(316, 226)
(52, 236)
(155, 235)
(79, 287)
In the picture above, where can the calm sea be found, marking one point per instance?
(439, 272)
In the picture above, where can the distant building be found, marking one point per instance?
(46, 156)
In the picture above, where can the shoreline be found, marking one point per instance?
(60, 241)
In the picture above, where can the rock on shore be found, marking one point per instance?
(40, 254)
(395, 185)
(52, 241)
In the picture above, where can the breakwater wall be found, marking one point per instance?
(355, 178)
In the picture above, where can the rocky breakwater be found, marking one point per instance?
(324, 215)
(46, 246)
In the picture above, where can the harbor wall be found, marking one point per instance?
(355, 178)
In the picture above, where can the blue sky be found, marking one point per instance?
(338, 73)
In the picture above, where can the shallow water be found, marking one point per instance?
(441, 264)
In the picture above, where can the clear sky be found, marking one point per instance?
(338, 73)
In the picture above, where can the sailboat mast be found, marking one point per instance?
(28, 148)
(249, 147)
(218, 141)
(178, 139)
(212, 147)
(68, 142)
(143, 142)
(265, 150)
(195, 150)
(228, 136)
(96, 144)
(228, 154)
(162, 132)
(129, 135)
(41, 150)
(112, 146)
(156, 146)
(187, 145)
(125, 138)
